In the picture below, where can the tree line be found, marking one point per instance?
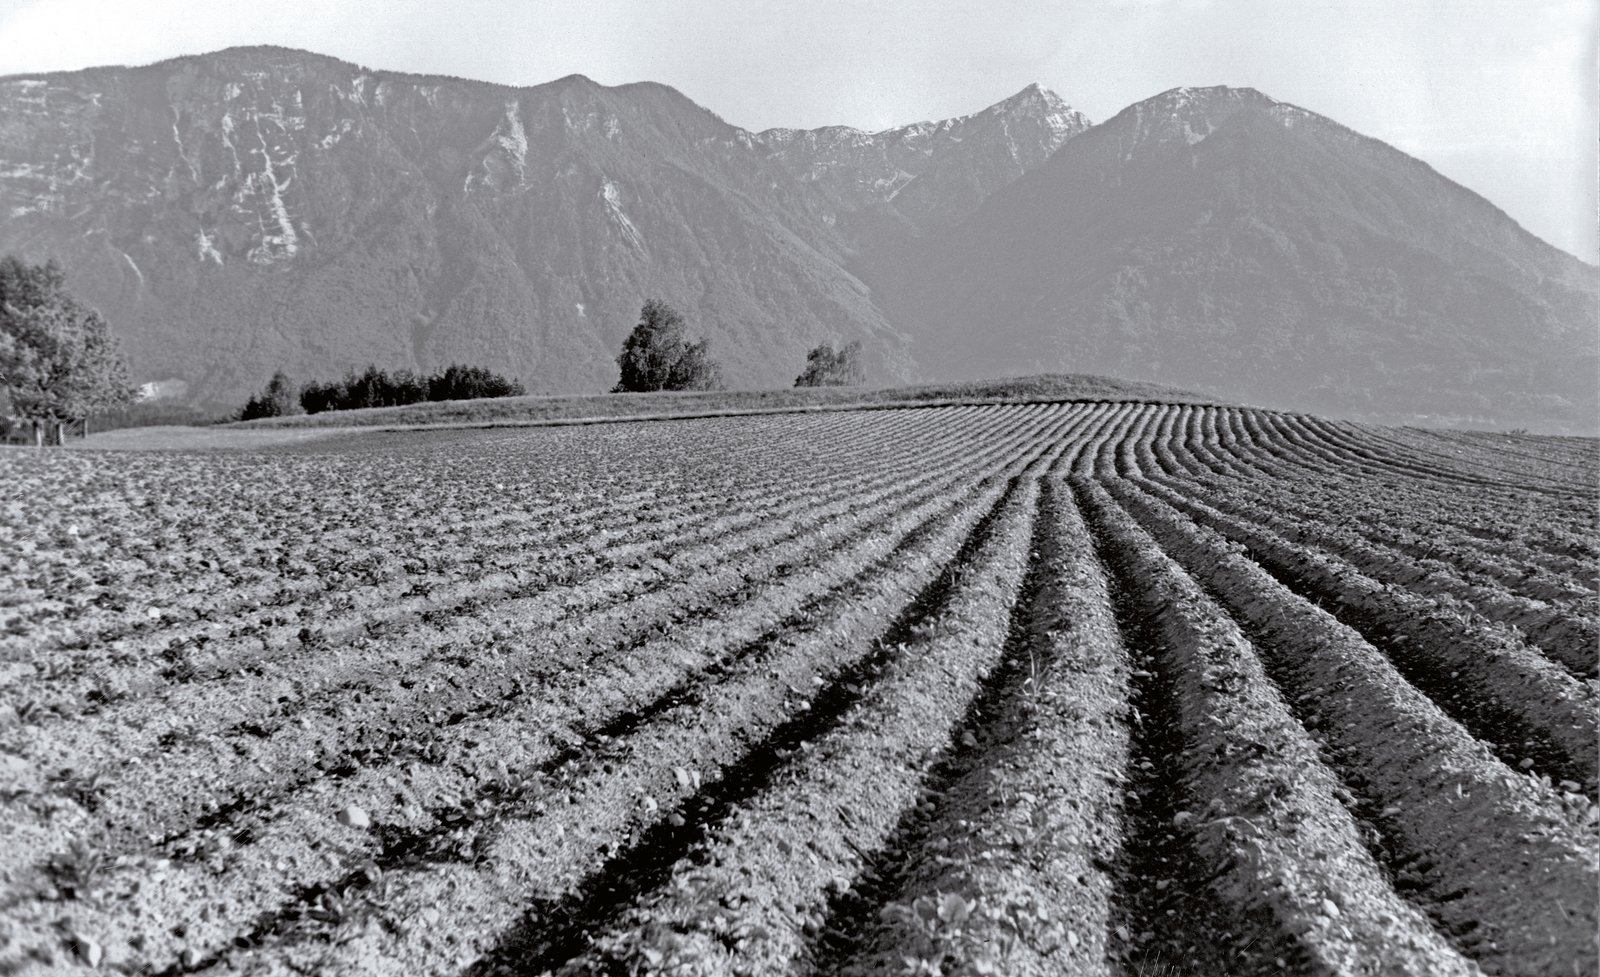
(60, 365)
(374, 387)
(657, 355)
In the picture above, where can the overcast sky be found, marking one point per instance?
(1497, 94)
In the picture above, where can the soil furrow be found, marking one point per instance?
(1004, 867)
(1283, 858)
(311, 819)
(747, 897)
(1564, 636)
(1527, 707)
(399, 843)
(1453, 825)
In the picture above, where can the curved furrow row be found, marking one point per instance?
(497, 669)
(1305, 434)
(1453, 825)
(1563, 524)
(1394, 523)
(1289, 443)
(1262, 446)
(305, 824)
(1005, 868)
(1208, 454)
(1366, 445)
(1392, 444)
(1255, 448)
(1104, 688)
(1578, 453)
(1416, 527)
(751, 897)
(483, 544)
(1566, 635)
(1515, 457)
(1264, 812)
(1103, 429)
(1483, 675)
(1115, 452)
(1497, 529)
(1243, 451)
(204, 649)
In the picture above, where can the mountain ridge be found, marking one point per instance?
(1211, 235)
(261, 208)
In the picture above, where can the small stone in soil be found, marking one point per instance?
(354, 817)
(88, 950)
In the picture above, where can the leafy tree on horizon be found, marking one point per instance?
(279, 399)
(59, 363)
(657, 355)
(826, 367)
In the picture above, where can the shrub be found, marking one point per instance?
(827, 368)
(460, 382)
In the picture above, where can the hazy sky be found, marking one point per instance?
(1497, 94)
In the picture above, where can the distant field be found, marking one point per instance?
(1093, 688)
(521, 410)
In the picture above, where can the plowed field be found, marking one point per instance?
(1087, 689)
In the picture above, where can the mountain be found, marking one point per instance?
(931, 174)
(1217, 239)
(263, 208)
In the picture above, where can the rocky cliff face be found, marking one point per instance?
(931, 174)
(1221, 240)
(262, 208)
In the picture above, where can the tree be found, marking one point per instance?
(279, 399)
(827, 368)
(658, 356)
(58, 360)
(461, 382)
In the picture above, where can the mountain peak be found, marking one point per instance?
(1032, 93)
(1191, 114)
(1037, 102)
